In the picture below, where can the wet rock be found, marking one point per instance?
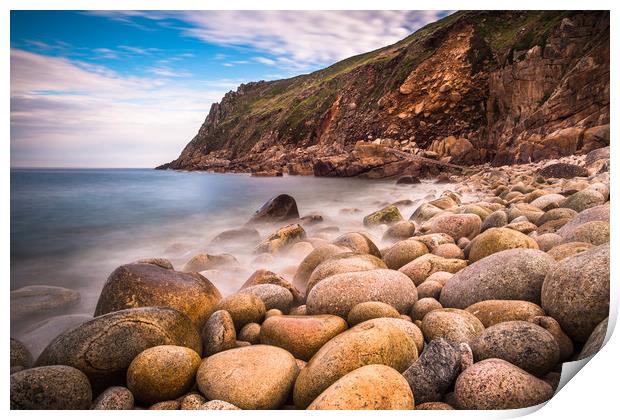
(251, 378)
(192, 401)
(358, 242)
(250, 333)
(142, 285)
(114, 398)
(514, 274)
(454, 325)
(400, 230)
(424, 212)
(34, 300)
(524, 344)
(595, 233)
(234, 236)
(50, 388)
(273, 296)
(498, 218)
(347, 262)
(498, 239)
(385, 216)
(422, 267)
(491, 312)
(104, 347)
(569, 249)
(598, 213)
(424, 306)
(583, 200)
(202, 262)
(377, 341)
(563, 170)
(434, 372)
(370, 387)
(403, 252)
(20, 356)
(282, 239)
(162, 373)
(546, 241)
(338, 294)
(457, 225)
(576, 293)
(278, 209)
(495, 384)
(269, 277)
(595, 341)
(370, 310)
(301, 335)
(448, 251)
(218, 405)
(218, 333)
(243, 308)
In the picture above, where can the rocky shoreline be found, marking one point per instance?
(473, 302)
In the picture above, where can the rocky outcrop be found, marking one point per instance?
(479, 86)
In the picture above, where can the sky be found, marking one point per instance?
(131, 88)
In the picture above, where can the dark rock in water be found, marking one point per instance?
(114, 398)
(50, 388)
(141, 285)
(104, 347)
(20, 356)
(33, 300)
(279, 209)
(41, 334)
(563, 170)
(595, 342)
(432, 374)
(388, 215)
(408, 179)
(244, 234)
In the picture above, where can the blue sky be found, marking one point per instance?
(130, 89)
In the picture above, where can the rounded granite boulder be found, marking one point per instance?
(514, 274)
(377, 341)
(422, 267)
(524, 344)
(583, 200)
(243, 308)
(358, 242)
(104, 347)
(162, 373)
(576, 293)
(454, 325)
(338, 294)
(568, 249)
(312, 260)
(498, 239)
(347, 262)
(20, 355)
(424, 306)
(50, 388)
(252, 378)
(595, 233)
(370, 387)
(218, 333)
(114, 398)
(142, 284)
(491, 312)
(370, 310)
(457, 225)
(495, 384)
(273, 296)
(593, 214)
(403, 252)
(595, 341)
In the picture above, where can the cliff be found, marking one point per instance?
(481, 86)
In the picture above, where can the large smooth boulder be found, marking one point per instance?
(377, 341)
(256, 377)
(522, 343)
(568, 249)
(403, 252)
(312, 261)
(458, 226)
(424, 212)
(347, 262)
(162, 373)
(50, 388)
(422, 267)
(598, 213)
(244, 308)
(236, 236)
(491, 312)
(104, 347)
(370, 387)
(273, 296)
(454, 325)
(138, 285)
(563, 170)
(514, 274)
(583, 200)
(495, 384)
(301, 335)
(498, 218)
(338, 294)
(263, 276)
(218, 333)
(400, 230)
(358, 242)
(278, 209)
(370, 310)
(576, 293)
(498, 239)
(595, 233)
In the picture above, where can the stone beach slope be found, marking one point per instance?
(472, 302)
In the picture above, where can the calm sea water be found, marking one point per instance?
(72, 227)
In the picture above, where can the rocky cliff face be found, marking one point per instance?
(500, 87)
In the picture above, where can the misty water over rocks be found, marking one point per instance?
(72, 228)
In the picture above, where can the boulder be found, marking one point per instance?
(595, 233)
(422, 267)
(20, 355)
(563, 170)
(424, 306)
(312, 260)
(448, 251)
(301, 335)
(347, 262)
(495, 384)
(338, 294)
(50, 388)
(114, 398)
(358, 242)
(498, 239)
(243, 308)
(434, 406)
(498, 218)
(281, 240)
(192, 401)
(564, 342)
(491, 312)
(162, 373)
(370, 310)
(429, 289)
(138, 285)
(583, 200)
(104, 347)
(598, 213)
(514, 274)
(576, 293)
(385, 216)
(273, 296)
(280, 208)
(548, 202)
(370, 387)
(595, 341)
(403, 252)
(252, 378)
(569, 249)
(400, 230)
(457, 225)
(268, 277)
(250, 333)
(424, 212)
(377, 341)
(526, 210)
(202, 262)
(218, 333)
(454, 325)
(524, 344)
(547, 241)
(556, 214)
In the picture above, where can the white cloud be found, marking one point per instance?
(77, 114)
